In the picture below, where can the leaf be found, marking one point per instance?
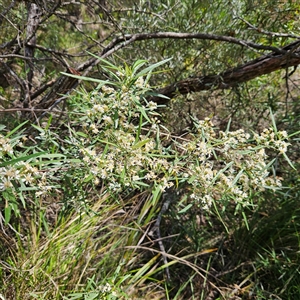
(16, 129)
(24, 158)
(7, 214)
(273, 121)
(222, 171)
(82, 134)
(112, 66)
(141, 108)
(140, 144)
(92, 296)
(245, 220)
(138, 275)
(289, 161)
(89, 79)
(137, 65)
(237, 177)
(141, 183)
(185, 209)
(152, 67)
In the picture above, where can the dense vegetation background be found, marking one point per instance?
(149, 149)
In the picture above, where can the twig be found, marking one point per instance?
(156, 229)
(269, 33)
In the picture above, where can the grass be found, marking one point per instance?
(106, 251)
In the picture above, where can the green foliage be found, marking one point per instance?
(117, 164)
(79, 194)
(22, 171)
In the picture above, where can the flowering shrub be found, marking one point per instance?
(124, 149)
(21, 172)
(121, 146)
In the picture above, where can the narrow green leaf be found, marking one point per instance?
(273, 120)
(23, 158)
(228, 126)
(89, 79)
(152, 67)
(82, 134)
(237, 177)
(16, 129)
(185, 209)
(7, 214)
(222, 171)
(141, 183)
(92, 296)
(112, 66)
(143, 112)
(140, 144)
(245, 220)
(137, 65)
(289, 161)
(138, 275)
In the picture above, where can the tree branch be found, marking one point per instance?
(177, 35)
(123, 41)
(232, 77)
(278, 59)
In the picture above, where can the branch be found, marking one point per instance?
(175, 35)
(224, 80)
(269, 33)
(123, 41)
(232, 77)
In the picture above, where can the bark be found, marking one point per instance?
(32, 26)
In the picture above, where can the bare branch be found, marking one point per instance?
(42, 89)
(266, 64)
(123, 41)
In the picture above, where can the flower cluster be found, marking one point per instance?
(107, 291)
(273, 139)
(14, 175)
(125, 157)
(120, 145)
(215, 164)
(231, 164)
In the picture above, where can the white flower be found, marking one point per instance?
(7, 148)
(152, 105)
(207, 201)
(107, 119)
(94, 129)
(99, 108)
(107, 89)
(5, 184)
(139, 82)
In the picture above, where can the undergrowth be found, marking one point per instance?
(110, 204)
